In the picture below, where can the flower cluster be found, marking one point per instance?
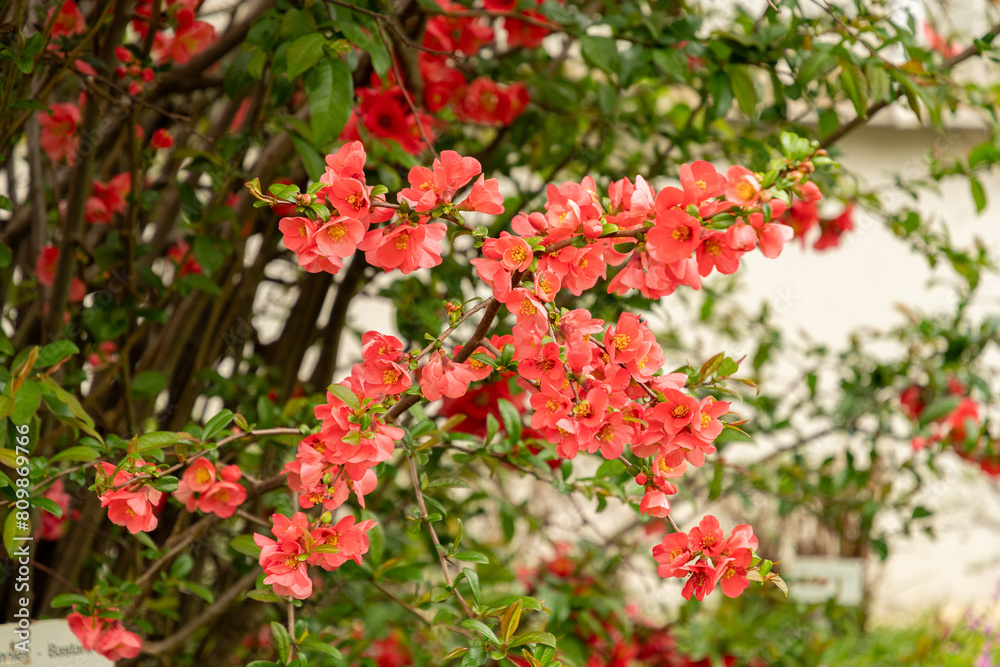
(52, 527)
(803, 216)
(188, 37)
(959, 426)
(612, 639)
(45, 271)
(354, 436)
(707, 558)
(108, 199)
(410, 243)
(384, 112)
(132, 70)
(107, 637)
(299, 543)
(181, 37)
(211, 490)
(129, 505)
(592, 385)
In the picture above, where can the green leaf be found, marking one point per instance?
(265, 596)
(197, 281)
(26, 401)
(311, 159)
(6, 406)
(148, 384)
(829, 121)
(473, 579)
(978, 193)
(68, 600)
(481, 628)
(511, 420)
(345, 395)
(939, 408)
(11, 531)
(854, 84)
(208, 255)
(54, 352)
(201, 591)
(156, 440)
(471, 557)
(744, 89)
(238, 75)
(245, 545)
(881, 548)
(510, 620)
(375, 48)
(6, 256)
(304, 53)
(330, 92)
(726, 368)
(546, 638)
(147, 541)
(325, 649)
(601, 52)
(216, 424)
(50, 506)
(79, 453)
(282, 642)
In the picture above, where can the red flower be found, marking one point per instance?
(58, 132)
(161, 139)
(441, 376)
(69, 20)
(190, 40)
(675, 236)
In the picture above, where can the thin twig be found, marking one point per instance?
(415, 480)
(406, 93)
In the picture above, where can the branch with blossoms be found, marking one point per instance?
(592, 386)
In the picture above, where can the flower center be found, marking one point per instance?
(527, 308)
(356, 200)
(681, 233)
(705, 420)
(582, 410)
(402, 241)
(390, 376)
(621, 341)
(713, 247)
(518, 254)
(680, 411)
(336, 232)
(745, 190)
(203, 476)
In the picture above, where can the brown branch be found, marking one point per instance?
(870, 112)
(224, 441)
(415, 480)
(202, 620)
(406, 93)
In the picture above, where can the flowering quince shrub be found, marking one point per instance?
(228, 461)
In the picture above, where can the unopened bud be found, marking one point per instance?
(326, 517)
